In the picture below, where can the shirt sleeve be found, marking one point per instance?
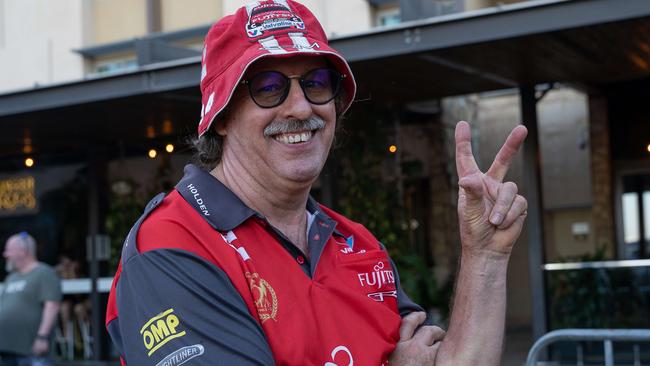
(175, 306)
(50, 286)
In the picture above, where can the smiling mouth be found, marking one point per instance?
(294, 137)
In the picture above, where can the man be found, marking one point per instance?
(239, 266)
(29, 302)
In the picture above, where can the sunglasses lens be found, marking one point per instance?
(321, 85)
(268, 88)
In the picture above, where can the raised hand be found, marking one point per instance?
(490, 212)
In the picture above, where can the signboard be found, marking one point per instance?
(17, 196)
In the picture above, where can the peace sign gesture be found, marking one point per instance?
(490, 212)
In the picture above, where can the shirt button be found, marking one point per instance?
(300, 259)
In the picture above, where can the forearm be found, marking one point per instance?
(48, 318)
(475, 334)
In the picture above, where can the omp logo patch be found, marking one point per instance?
(182, 355)
(159, 330)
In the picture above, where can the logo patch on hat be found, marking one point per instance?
(271, 16)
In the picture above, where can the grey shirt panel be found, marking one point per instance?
(404, 303)
(130, 247)
(174, 305)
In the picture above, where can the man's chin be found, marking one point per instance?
(303, 175)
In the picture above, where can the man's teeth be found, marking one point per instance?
(293, 138)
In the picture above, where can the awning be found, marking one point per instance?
(589, 42)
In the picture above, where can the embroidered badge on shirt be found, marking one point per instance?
(159, 330)
(265, 299)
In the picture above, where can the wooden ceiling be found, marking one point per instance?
(591, 56)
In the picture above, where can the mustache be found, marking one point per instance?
(294, 125)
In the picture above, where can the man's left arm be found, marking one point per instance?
(491, 215)
(48, 319)
(50, 295)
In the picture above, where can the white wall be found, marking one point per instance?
(36, 39)
(37, 36)
(338, 17)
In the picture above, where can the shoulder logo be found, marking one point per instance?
(380, 277)
(348, 245)
(266, 301)
(159, 330)
(182, 355)
(271, 16)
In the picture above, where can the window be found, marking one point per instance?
(389, 16)
(635, 203)
(114, 66)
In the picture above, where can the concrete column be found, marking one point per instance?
(533, 193)
(445, 243)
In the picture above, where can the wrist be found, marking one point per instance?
(42, 337)
(486, 264)
(482, 254)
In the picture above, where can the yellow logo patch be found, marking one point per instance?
(159, 330)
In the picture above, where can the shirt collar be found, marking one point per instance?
(218, 205)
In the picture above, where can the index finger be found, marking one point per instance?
(502, 161)
(465, 163)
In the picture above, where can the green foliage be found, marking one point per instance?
(418, 279)
(127, 202)
(573, 297)
(124, 209)
(598, 297)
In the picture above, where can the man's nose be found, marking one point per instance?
(296, 106)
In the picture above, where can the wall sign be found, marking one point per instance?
(17, 196)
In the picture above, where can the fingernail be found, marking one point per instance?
(496, 218)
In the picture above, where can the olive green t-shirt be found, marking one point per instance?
(21, 306)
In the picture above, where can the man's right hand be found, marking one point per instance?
(416, 348)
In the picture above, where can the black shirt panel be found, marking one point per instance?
(168, 299)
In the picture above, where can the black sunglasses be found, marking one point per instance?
(269, 89)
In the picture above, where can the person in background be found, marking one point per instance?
(29, 303)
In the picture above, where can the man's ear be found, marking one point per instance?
(221, 129)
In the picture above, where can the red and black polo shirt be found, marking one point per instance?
(205, 280)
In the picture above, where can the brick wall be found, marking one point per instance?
(601, 175)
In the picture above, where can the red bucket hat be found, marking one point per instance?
(269, 28)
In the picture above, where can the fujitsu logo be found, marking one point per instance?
(380, 277)
(198, 199)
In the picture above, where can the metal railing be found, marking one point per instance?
(607, 336)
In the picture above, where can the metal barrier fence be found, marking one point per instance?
(607, 336)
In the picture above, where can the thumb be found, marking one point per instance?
(472, 192)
